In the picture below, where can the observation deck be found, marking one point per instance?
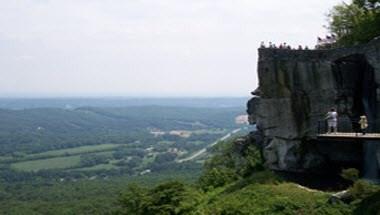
(349, 136)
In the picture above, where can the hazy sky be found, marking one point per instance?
(145, 47)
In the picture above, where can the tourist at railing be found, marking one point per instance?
(354, 126)
(363, 124)
(332, 121)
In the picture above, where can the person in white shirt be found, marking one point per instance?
(332, 121)
(363, 124)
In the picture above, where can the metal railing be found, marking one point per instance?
(344, 125)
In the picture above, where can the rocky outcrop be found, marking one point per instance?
(297, 88)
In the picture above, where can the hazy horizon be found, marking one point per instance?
(77, 102)
(112, 96)
(119, 97)
(145, 48)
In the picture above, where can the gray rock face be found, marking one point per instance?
(298, 87)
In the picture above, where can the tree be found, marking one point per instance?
(216, 177)
(355, 23)
(230, 162)
(170, 198)
(165, 157)
(368, 4)
(135, 200)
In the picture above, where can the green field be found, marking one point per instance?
(50, 163)
(107, 166)
(5, 158)
(74, 151)
(105, 153)
(63, 161)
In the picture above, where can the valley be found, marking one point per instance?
(56, 144)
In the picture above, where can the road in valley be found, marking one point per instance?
(200, 152)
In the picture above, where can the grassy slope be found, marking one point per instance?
(283, 198)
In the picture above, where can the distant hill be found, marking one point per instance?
(42, 129)
(70, 103)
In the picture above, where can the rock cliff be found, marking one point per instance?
(297, 88)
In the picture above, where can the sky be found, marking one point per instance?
(146, 48)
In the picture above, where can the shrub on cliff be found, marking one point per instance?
(280, 199)
(350, 174)
(362, 189)
(364, 195)
(369, 205)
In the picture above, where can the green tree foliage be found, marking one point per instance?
(367, 4)
(355, 23)
(134, 200)
(165, 157)
(232, 160)
(170, 198)
(217, 177)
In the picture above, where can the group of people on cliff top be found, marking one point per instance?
(281, 46)
(326, 42)
(332, 122)
(322, 43)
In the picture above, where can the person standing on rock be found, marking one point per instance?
(332, 121)
(363, 124)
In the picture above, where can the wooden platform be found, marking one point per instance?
(344, 135)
